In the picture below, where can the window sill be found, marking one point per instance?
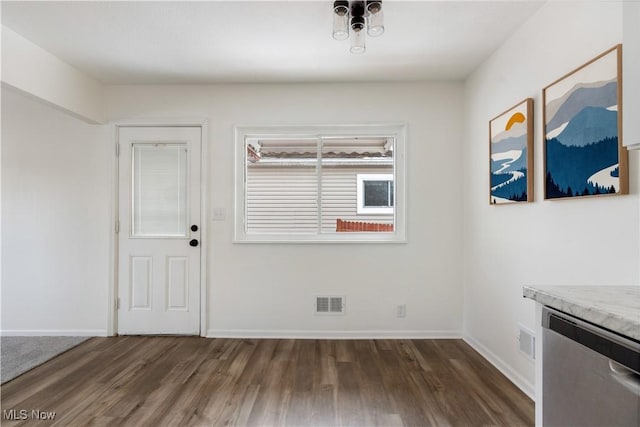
(341, 238)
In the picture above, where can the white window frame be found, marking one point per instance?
(397, 131)
(361, 178)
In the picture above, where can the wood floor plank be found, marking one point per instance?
(195, 381)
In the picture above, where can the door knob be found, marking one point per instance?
(193, 242)
(194, 228)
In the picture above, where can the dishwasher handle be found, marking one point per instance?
(625, 377)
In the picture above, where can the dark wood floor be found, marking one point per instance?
(197, 381)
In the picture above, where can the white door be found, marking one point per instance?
(159, 230)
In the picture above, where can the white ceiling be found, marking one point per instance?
(263, 41)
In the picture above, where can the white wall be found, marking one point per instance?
(631, 67)
(575, 242)
(55, 221)
(32, 70)
(267, 290)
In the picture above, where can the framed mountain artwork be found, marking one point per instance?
(583, 152)
(511, 155)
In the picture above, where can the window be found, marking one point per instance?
(375, 193)
(320, 184)
(159, 190)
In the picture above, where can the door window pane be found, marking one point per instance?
(159, 190)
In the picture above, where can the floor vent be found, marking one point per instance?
(330, 304)
(527, 342)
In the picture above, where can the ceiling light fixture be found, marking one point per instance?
(356, 15)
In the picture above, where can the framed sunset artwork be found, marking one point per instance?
(511, 155)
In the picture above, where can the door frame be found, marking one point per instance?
(202, 123)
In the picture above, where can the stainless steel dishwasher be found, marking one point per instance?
(590, 376)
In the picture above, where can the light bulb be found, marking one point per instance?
(340, 27)
(340, 20)
(357, 27)
(357, 41)
(375, 20)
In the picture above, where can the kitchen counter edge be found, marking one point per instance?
(616, 308)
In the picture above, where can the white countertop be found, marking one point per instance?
(616, 308)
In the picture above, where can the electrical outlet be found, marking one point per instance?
(401, 310)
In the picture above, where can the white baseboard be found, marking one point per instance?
(330, 335)
(517, 379)
(53, 332)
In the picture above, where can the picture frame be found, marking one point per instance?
(582, 124)
(511, 155)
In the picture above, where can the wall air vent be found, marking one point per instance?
(527, 342)
(329, 305)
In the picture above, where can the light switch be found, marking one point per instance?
(219, 214)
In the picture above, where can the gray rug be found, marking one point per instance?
(20, 354)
